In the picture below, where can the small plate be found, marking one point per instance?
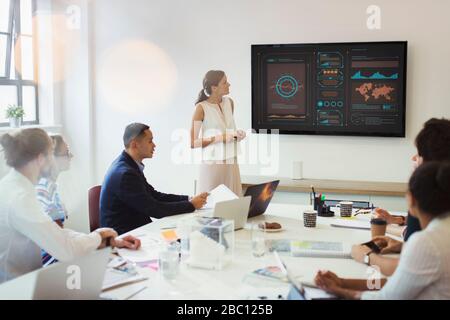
(271, 230)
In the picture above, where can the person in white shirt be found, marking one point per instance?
(433, 144)
(24, 227)
(214, 131)
(423, 271)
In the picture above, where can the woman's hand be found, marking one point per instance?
(359, 251)
(225, 138)
(383, 214)
(107, 234)
(388, 245)
(241, 135)
(128, 242)
(390, 219)
(329, 281)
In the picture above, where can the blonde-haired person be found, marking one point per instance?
(214, 130)
(24, 227)
(47, 188)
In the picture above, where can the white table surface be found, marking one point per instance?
(194, 283)
(228, 284)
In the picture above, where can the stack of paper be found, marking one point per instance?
(219, 194)
(149, 249)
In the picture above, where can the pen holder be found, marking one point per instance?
(325, 211)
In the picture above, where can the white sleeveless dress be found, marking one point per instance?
(219, 160)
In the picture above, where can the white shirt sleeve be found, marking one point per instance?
(418, 268)
(28, 218)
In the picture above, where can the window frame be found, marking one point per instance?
(14, 36)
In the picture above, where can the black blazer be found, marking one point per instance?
(127, 201)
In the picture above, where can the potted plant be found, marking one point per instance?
(15, 114)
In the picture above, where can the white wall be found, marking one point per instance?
(73, 105)
(199, 35)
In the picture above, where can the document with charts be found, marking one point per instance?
(320, 249)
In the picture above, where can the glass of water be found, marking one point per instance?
(169, 260)
(258, 240)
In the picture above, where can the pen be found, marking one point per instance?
(314, 195)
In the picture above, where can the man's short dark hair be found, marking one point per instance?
(433, 141)
(133, 131)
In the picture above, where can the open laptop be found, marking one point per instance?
(80, 279)
(261, 195)
(236, 209)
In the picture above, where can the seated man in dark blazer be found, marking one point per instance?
(127, 200)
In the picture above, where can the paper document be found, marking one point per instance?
(352, 224)
(219, 194)
(317, 294)
(115, 278)
(139, 255)
(149, 249)
(320, 249)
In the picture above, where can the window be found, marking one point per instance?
(18, 70)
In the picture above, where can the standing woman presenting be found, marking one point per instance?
(214, 130)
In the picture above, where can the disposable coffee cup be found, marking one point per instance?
(310, 218)
(378, 227)
(346, 208)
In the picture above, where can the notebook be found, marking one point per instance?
(303, 248)
(320, 249)
(352, 224)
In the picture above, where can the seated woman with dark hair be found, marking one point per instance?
(423, 271)
(433, 144)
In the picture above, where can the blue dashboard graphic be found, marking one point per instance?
(375, 76)
(287, 86)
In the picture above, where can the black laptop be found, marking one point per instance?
(261, 195)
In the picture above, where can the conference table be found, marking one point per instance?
(235, 280)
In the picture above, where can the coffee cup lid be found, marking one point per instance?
(378, 221)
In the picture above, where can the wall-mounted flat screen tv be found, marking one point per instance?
(330, 88)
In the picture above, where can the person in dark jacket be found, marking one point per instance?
(127, 200)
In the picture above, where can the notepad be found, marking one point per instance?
(351, 224)
(320, 249)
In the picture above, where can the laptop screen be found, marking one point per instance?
(261, 196)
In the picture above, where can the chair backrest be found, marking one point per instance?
(94, 207)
